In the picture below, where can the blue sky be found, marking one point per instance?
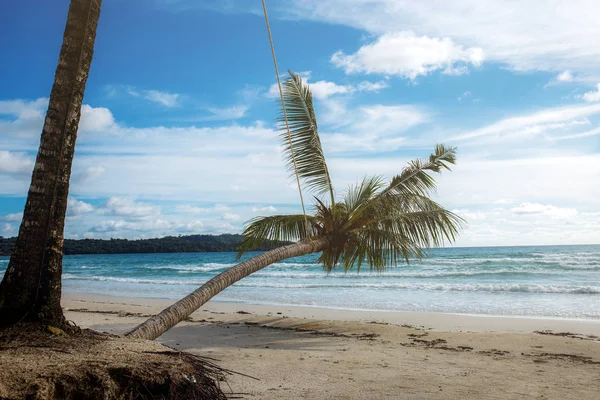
(178, 132)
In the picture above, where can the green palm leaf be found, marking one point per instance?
(415, 177)
(305, 147)
(358, 195)
(282, 228)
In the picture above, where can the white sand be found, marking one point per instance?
(314, 353)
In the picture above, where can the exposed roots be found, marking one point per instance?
(39, 364)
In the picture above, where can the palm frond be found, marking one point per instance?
(432, 228)
(380, 248)
(384, 230)
(418, 217)
(305, 147)
(357, 195)
(282, 228)
(415, 177)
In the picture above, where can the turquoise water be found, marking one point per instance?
(548, 281)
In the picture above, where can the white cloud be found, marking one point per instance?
(89, 173)
(551, 225)
(250, 93)
(13, 217)
(366, 86)
(544, 209)
(502, 201)
(323, 89)
(189, 227)
(388, 120)
(27, 121)
(77, 207)
(231, 217)
(24, 109)
(121, 225)
(565, 76)
(188, 209)
(563, 37)
(140, 220)
(273, 91)
(266, 209)
(8, 230)
(407, 55)
(96, 119)
(369, 128)
(592, 132)
(464, 96)
(124, 207)
(535, 124)
(18, 164)
(156, 228)
(470, 215)
(593, 95)
(221, 208)
(224, 114)
(164, 98)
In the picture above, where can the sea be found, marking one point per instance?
(536, 281)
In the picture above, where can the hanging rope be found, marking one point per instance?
(287, 126)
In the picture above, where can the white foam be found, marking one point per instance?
(130, 280)
(391, 273)
(460, 287)
(190, 268)
(524, 288)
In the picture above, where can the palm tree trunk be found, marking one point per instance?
(174, 314)
(31, 287)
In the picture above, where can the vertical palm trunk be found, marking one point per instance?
(174, 314)
(31, 288)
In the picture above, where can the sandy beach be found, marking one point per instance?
(314, 353)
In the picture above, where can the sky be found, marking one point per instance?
(178, 133)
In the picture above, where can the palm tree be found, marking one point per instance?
(375, 223)
(31, 288)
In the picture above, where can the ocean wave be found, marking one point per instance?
(129, 280)
(3, 261)
(524, 288)
(219, 265)
(292, 265)
(207, 267)
(409, 274)
(514, 288)
(577, 257)
(558, 260)
(551, 261)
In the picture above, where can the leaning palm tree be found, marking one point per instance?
(379, 224)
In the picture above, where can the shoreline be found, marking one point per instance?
(434, 321)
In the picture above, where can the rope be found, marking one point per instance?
(287, 126)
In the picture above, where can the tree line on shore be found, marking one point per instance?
(168, 244)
